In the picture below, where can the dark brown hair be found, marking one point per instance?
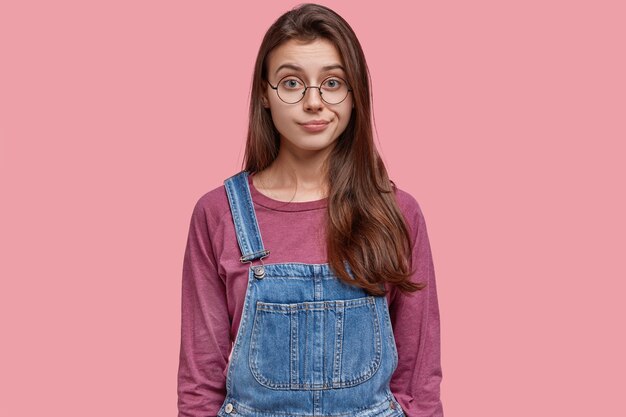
(364, 226)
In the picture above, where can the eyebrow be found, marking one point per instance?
(297, 68)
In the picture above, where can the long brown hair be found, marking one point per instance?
(364, 226)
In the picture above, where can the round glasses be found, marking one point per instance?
(291, 89)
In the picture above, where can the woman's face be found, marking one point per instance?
(311, 62)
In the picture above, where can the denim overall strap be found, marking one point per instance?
(246, 225)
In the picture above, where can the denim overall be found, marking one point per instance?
(308, 343)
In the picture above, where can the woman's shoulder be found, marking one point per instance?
(213, 204)
(410, 208)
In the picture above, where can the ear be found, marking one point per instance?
(264, 100)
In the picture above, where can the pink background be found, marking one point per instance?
(505, 120)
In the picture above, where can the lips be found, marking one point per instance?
(315, 123)
(314, 126)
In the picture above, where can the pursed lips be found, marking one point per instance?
(315, 123)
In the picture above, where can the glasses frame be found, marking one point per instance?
(306, 87)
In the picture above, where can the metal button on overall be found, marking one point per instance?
(259, 272)
(228, 408)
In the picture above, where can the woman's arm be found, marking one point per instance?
(415, 321)
(205, 326)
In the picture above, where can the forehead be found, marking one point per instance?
(311, 56)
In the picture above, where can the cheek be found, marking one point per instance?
(279, 114)
(281, 118)
(345, 115)
(348, 108)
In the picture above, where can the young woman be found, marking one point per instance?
(308, 284)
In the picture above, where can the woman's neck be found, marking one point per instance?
(293, 179)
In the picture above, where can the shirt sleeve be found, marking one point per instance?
(415, 321)
(205, 335)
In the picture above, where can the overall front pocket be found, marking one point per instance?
(315, 345)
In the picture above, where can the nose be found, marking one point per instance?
(313, 100)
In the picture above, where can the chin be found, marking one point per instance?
(313, 143)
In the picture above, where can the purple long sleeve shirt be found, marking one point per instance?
(214, 285)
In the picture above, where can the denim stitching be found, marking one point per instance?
(294, 348)
(317, 305)
(234, 206)
(338, 345)
(240, 332)
(272, 309)
(248, 233)
(379, 409)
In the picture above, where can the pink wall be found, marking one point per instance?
(505, 120)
